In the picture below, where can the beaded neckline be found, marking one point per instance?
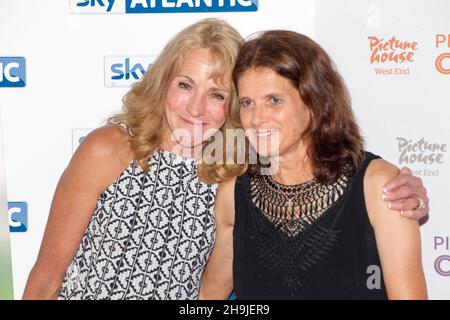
(293, 208)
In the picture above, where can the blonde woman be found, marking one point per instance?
(130, 219)
(132, 216)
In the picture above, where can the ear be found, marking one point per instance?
(310, 114)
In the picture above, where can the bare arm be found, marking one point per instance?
(217, 279)
(398, 238)
(102, 156)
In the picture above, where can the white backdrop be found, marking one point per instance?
(405, 116)
(69, 90)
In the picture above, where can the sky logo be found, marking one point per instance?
(18, 216)
(97, 6)
(122, 71)
(160, 6)
(78, 136)
(12, 72)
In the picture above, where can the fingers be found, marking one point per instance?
(405, 170)
(404, 205)
(422, 192)
(407, 207)
(415, 214)
(405, 192)
(402, 179)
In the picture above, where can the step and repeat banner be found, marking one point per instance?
(395, 59)
(6, 286)
(66, 64)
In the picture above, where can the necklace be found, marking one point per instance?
(292, 208)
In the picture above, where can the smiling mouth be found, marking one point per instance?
(193, 122)
(264, 133)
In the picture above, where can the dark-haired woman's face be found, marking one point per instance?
(272, 112)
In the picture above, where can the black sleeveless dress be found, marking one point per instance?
(326, 251)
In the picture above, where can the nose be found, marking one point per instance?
(197, 105)
(258, 116)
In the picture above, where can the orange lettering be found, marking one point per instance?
(440, 38)
(440, 65)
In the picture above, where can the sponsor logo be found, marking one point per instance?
(123, 71)
(442, 262)
(421, 152)
(18, 216)
(97, 6)
(442, 63)
(160, 6)
(391, 54)
(12, 72)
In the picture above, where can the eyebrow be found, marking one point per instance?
(220, 89)
(213, 88)
(266, 96)
(187, 77)
(273, 94)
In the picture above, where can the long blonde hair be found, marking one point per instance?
(143, 105)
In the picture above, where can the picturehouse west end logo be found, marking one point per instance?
(391, 56)
(424, 157)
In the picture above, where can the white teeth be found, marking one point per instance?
(263, 133)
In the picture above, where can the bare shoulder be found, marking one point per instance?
(379, 172)
(102, 156)
(224, 207)
(110, 143)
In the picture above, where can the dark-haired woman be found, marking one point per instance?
(316, 226)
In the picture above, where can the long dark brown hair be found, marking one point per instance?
(335, 145)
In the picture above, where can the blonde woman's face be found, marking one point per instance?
(196, 105)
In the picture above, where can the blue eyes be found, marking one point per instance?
(215, 95)
(276, 100)
(273, 101)
(245, 102)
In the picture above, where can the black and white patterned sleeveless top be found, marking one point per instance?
(149, 237)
